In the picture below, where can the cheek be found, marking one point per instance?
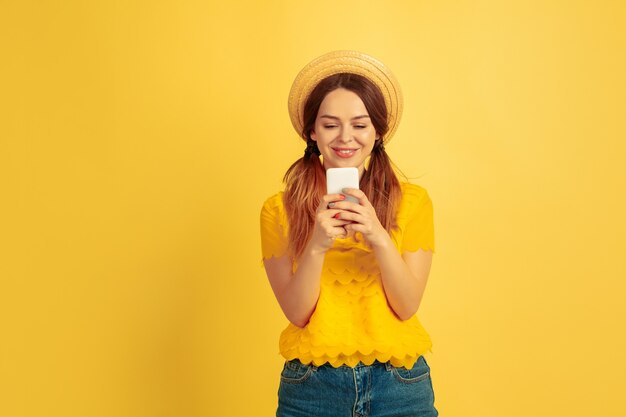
(369, 139)
(324, 136)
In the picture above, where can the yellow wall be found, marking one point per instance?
(139, 139)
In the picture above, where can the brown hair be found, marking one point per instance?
(305, 180)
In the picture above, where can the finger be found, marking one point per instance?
(339, 222)
(324, 214)
(358, 194)
(356, 227)
(336, 232)
(347, 205)
(328, 198)
(348, 215)
(334, 223)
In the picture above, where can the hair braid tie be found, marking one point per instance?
(311, 148)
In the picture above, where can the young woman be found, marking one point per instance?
(349, 276)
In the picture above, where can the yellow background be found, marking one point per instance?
(139, 139)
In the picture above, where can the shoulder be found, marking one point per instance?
(274, 202)
(414, 200)
(413, 192)
(273, 207)
(274, 228)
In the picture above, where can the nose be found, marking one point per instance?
(346, 134)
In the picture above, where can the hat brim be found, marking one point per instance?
(351, 62)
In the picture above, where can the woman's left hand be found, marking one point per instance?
(363, 217)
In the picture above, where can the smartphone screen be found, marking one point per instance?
(339, 178)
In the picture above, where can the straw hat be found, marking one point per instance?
(345, 61)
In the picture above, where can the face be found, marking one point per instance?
(343, 130)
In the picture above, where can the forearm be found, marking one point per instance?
(303, 290)
(403, 289)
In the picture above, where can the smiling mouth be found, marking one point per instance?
(345, 152)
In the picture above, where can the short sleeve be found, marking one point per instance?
(273, 229)
(420, 231)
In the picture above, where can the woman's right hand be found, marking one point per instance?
(327, 227)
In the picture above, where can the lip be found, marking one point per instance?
(339, 153)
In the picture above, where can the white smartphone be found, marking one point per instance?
(339, 178)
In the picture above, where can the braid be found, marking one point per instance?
(381, 186)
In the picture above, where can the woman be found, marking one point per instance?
(349, 276)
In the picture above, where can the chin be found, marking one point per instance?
(343, 164)
(340, 164)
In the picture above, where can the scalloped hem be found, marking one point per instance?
(416, 248)
(353, 360)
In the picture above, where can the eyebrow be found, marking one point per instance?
(328, 116)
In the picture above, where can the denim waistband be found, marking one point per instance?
(360, 364)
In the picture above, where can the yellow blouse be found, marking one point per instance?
(352, 321)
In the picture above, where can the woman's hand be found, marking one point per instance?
(362, 218)
(327, 227)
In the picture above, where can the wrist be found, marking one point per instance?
(383, 242)
(315, 251)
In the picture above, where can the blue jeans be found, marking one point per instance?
(376, 390)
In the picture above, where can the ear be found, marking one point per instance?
(313, 135)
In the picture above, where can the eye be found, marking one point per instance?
(329, 126)
(360, 126)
